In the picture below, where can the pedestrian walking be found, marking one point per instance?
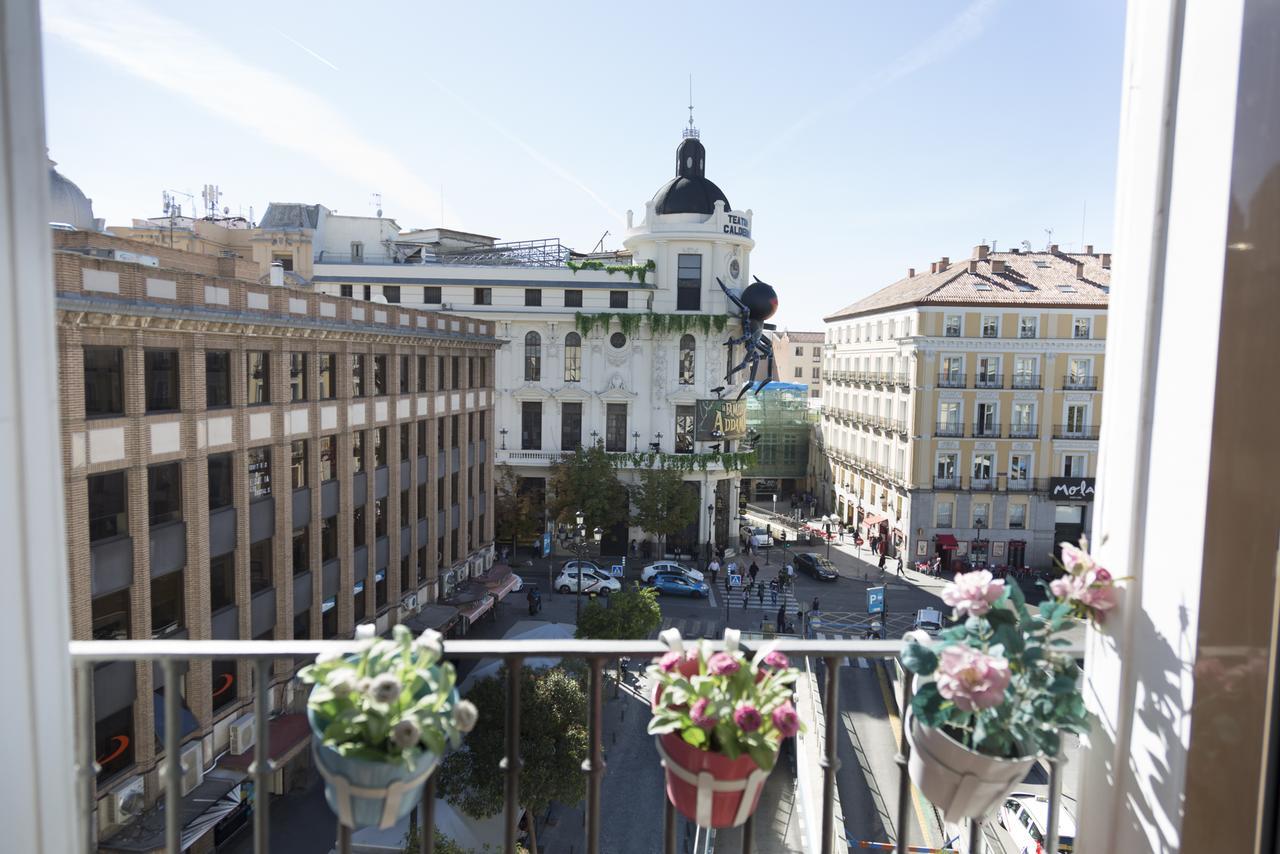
(899, 565)
(773, 590)
(714, 569)
(760, 593)
(814, 606)
(782, 618)
(754, 570)
(882, 560)
(746, 598)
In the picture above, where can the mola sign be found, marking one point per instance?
(1071, 488)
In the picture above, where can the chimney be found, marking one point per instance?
(1106, 260)
(1053, 248)
(933, 268)
(1079, 269)
(1088, 249)
(1017, 250)
(980, 252)
(997, 266)
(973, 265)
(943, 263)
(911, 272)
(277, 274)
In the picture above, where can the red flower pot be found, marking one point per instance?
(709, 788)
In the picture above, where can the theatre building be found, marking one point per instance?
(961, 406)
(249, 460)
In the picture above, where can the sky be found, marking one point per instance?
(866, 137)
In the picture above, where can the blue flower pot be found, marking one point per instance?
(369, 794)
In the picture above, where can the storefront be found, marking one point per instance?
(979, 551)
(945, 547)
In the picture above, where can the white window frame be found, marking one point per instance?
(947, 320)
(991, 465)
(959, 419)
(1010, 521)
(1088, 327)
(993, 320)
(1031, 464)
(950, 521)
(938, 458)
(973, 514)
(1067, 455)
(1029, 323)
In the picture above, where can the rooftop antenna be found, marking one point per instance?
(377, 204)
(1026, 246)
(1049, 242)
(600, 243)
(1084, 209)
(690, 131)
(211, 196)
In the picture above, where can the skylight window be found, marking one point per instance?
(1042, 264)
(1023, 286)
(1067, 289)
(982, 286)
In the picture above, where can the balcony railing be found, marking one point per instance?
(1026, 381)
(1024, 431)
(1067, 431)
(986, 431)
(949, 430)
(982, 484)
(988, 381)
(951, 381)
(946, 483)
(903, 380)
(596, 653)
(1079, 383)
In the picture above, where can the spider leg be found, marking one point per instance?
(754, 357)
(768, 351)
(742, 308)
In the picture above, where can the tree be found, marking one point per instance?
(630, 615)
(515, 514)
(553, 745)
(664, 505)
(588, 481)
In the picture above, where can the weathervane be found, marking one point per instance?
(691, 131)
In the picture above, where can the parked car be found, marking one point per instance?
(1026, 817)
(929, 621)
(594, 580)
(647, 574)
(750, 535)
(817, 566)
(678, 584)
(574, 564)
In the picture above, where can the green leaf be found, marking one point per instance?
(919, 659)
(764, 756)
(696, 736)
(928, 705)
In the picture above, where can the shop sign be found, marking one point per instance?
(1071, 488)
(738, 225)
(720, 419)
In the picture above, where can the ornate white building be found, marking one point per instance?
(615, 348)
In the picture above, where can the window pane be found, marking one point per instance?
(617, 299)
(111, 616)
(164, 493)
(684, 429)
(570, 426)
(573, 358)
(358, 532)
(103, 381)
(222, 581)
(357, 451)
(380, 447)
(260, 566)
(357, 375)
(328, 539)
(531, 426)
(687, 356)
(301, 550)
(532, 296)
(532, 357)
(161, 370)
(379, 375)
(166, 604)
(615, 427)
(297, 376)
(259, 472)
(258, 370)
(108, 505)
(217, 378)
(380, 517)
(220, 489)
(573, 299)
(404, 375)
(298, 466)
(689, 283)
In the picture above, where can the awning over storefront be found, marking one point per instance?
(474, 612)
(438, 617)
(201, 809)
(289, 734)
(945, 541)
(500, 580)
(872, 519)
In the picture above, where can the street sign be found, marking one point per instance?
(875, 600)
(735, 580)
(617, 570)
(546, 544)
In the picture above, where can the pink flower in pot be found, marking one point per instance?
(971, 679)
(786, 720)
(973, 592)
(747, 717)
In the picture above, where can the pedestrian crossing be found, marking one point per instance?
(693, 627)
(756, 601)
(859, 661)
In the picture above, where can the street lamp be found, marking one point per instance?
(711, 510)
(503, 434)
(977, 523)
(581, 546)
(635, 440)
(595, 438)
(827, 523)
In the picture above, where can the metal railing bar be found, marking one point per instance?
(594, 764)
(261, 767)
(511, 762)
(977, 843)
(86, 766)
(427, 824)
(172, 775)
(1055, 802)
(749, 834)
(668, 824)
(830, 760)
(344, 839)
(904, 754)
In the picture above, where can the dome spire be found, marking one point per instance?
(690, 132)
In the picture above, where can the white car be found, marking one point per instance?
(647, 574)
(1026, 817)
(929, 621)
(758, 537)
(593, 581)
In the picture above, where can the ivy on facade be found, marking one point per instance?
(659, 324)
(731, 461)
(629, 270)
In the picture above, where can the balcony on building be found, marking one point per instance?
(1076, 382)
(1024, 431)
(988, 381)
(946, 483)
(1026, 381)
(986, 431)
(949, 430)
(951, 380)
(1075, 431)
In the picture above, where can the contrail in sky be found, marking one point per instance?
(302, 46)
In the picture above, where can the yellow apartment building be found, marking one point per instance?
(961, 406)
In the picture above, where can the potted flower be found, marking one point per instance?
(718, 721)
(381, 720)
(997, 690)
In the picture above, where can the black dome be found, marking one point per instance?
(690, 191)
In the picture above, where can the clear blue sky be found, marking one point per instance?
(866, 136)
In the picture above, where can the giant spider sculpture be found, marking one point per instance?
(754, 304)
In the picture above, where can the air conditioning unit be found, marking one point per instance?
(126, 802)
(242, 734)
(135, 258)
(446, 306)
(192, 764)
(409, 603)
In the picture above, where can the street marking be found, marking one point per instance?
(917, 800)
(863, 663)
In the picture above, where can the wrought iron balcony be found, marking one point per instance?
(903, 380)
(988, 381)
(951, 380)
(986, 431)
(1024, 431)
(1026, 381)
(1068, 431)
(982, 484)
(946, 483)
(1079, 383)
(949, 429)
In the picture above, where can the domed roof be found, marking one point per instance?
(67, 203)
(690, 191)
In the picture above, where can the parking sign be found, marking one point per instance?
(875, 600)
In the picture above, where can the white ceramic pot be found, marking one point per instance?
(958, 781)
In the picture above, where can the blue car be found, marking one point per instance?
(671, 584)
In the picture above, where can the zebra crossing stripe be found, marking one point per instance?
(863, 663)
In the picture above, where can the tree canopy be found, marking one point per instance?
(630, 615)
(516, 516)
(553, 744)
(664, 505)
(588, 481)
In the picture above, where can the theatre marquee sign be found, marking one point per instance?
(1071, 488)
(720, 419)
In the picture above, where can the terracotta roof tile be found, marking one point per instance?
(1028, 278)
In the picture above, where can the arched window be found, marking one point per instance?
(573, 358)
(687, 346)
(532, 357)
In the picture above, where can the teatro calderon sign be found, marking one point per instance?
(1071, 488)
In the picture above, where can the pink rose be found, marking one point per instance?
(670, 661)
(786, 720)
(722, 664)
(973, 592)
(971, 679)
(1103, 575)
(1073, 556)
(776, 660)
(747, 717)
(699, 714)
(691, 665)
